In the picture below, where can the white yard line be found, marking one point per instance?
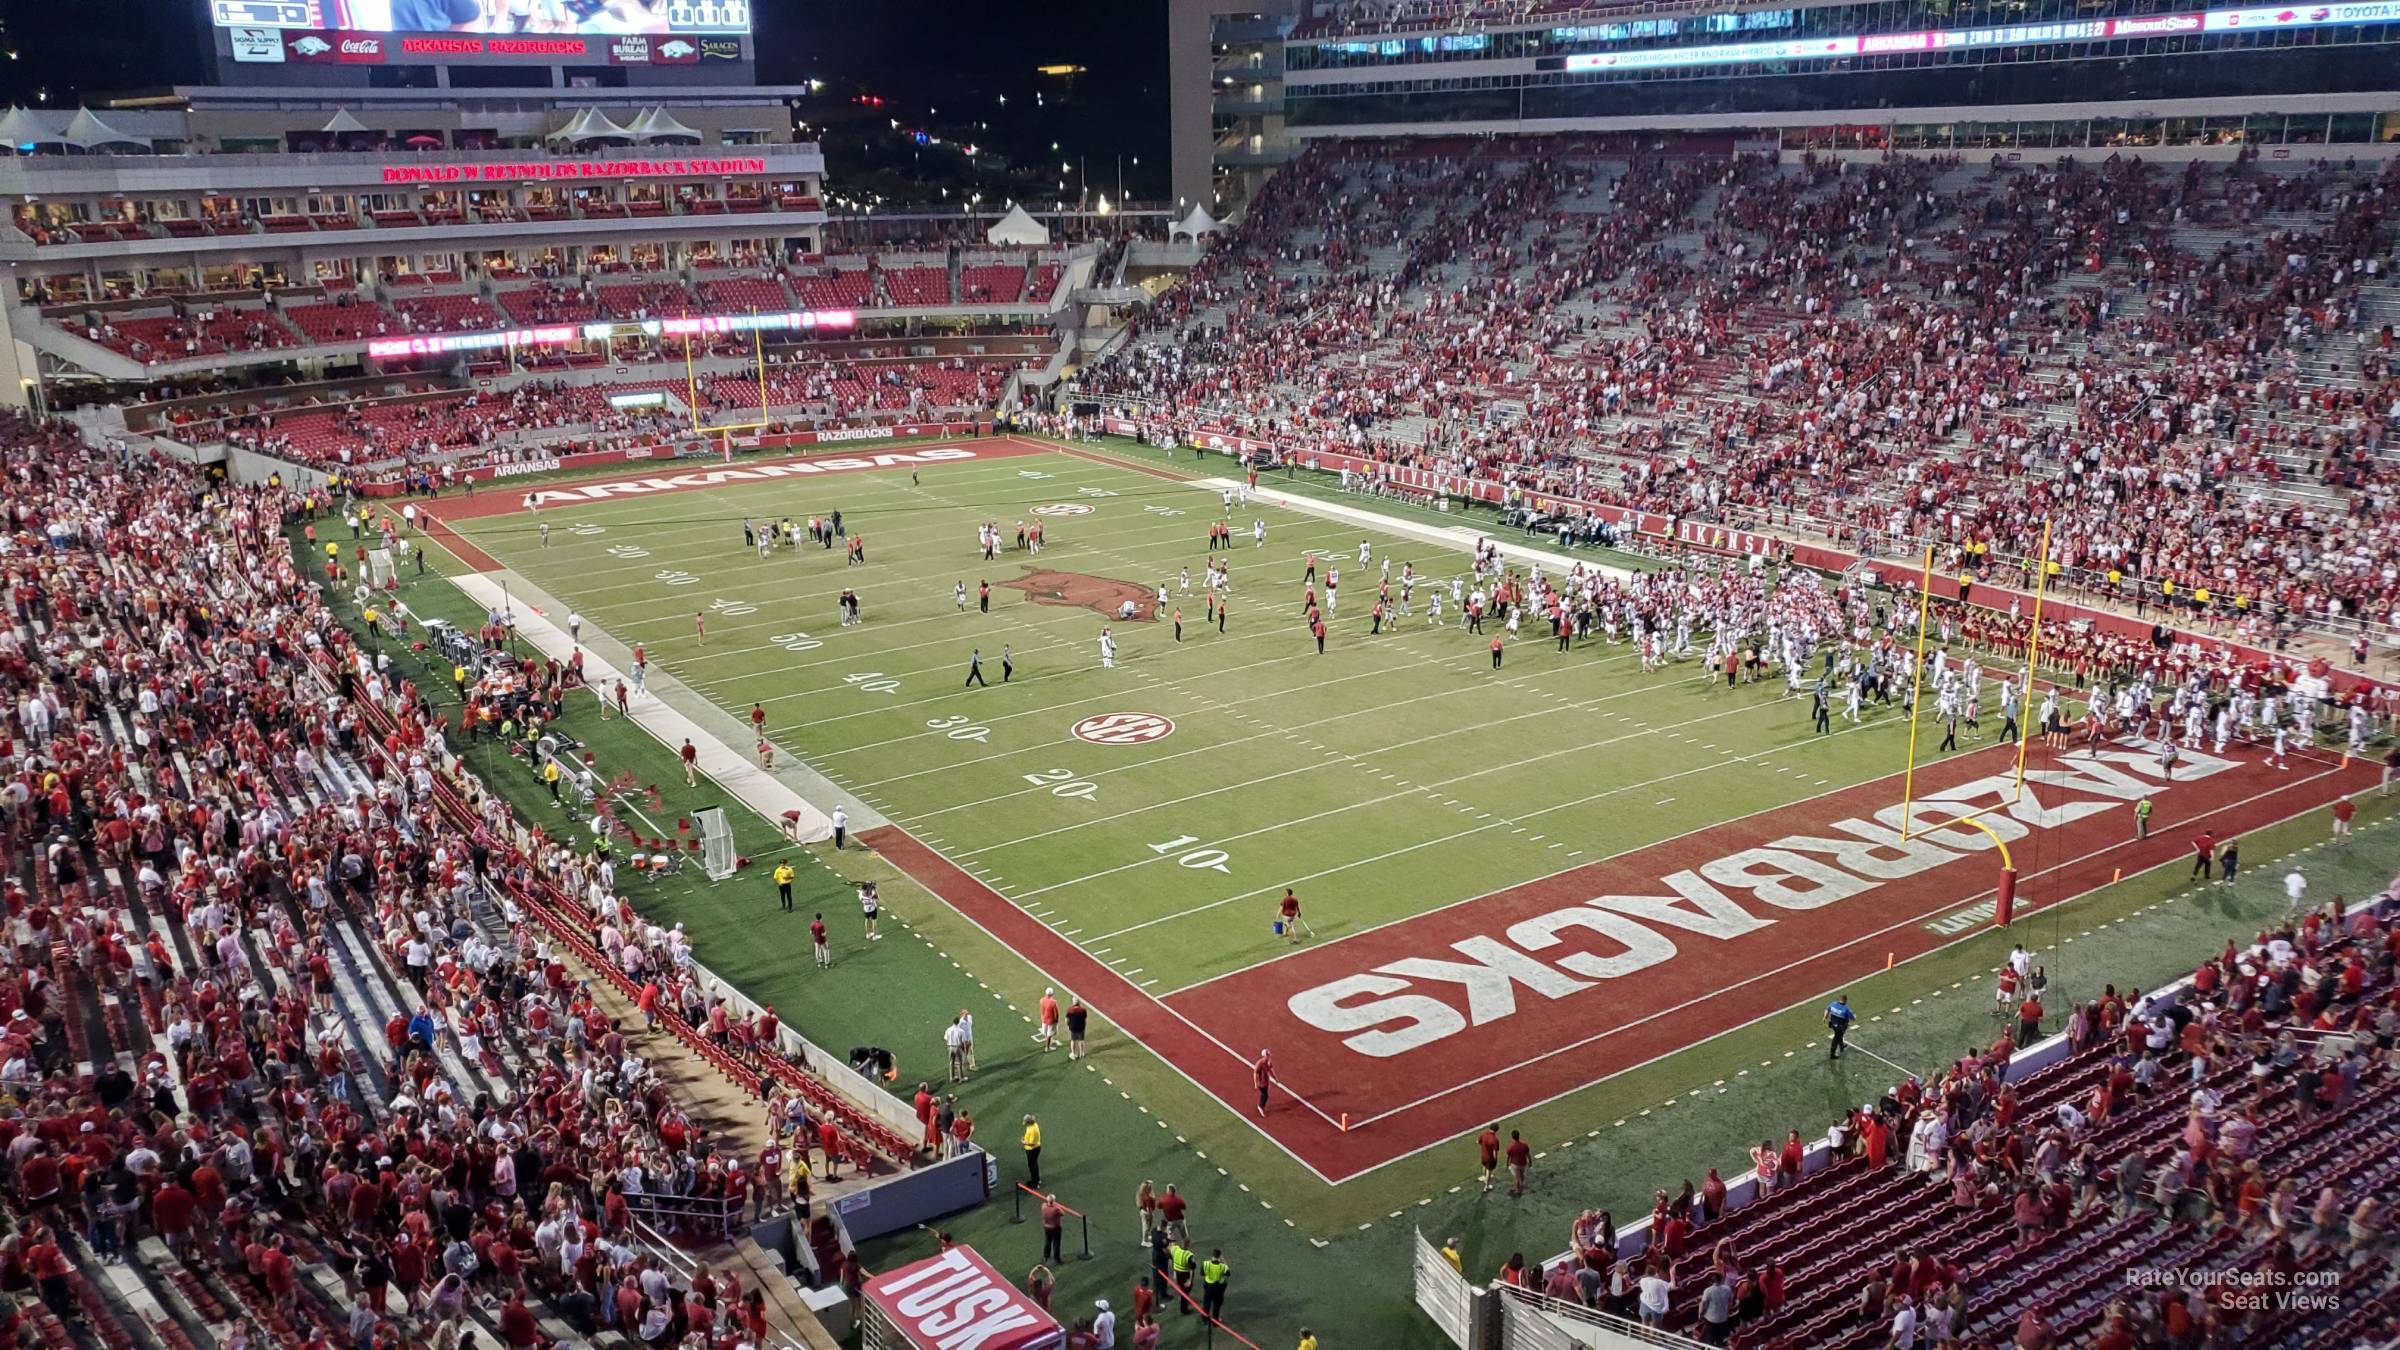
(1459, 537)
(737, 773)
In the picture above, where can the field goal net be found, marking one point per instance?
(716, 843)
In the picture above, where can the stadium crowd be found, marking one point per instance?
(2172, 366)
(232, 836)
(2236, 1131)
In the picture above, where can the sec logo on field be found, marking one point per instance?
(1064, 509)
(1123, 728)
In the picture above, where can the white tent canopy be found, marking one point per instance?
(1017, 228)
(343, 123)
(591, 124)
(657, 124)
(87, 131)
(20, 127)
(1198, 223)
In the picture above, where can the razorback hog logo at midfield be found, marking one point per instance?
(1104, 596)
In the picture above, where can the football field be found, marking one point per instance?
(1516, 881)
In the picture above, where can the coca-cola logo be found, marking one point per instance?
(361, 49)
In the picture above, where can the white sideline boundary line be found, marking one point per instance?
(1821, 954)
(742, 779)
(735, 772)
(1456, 537)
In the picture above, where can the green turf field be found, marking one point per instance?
(1345, 772)
(1294, 766)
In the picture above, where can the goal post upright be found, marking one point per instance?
(724, 431)
(2005, 894)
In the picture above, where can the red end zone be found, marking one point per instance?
(1400, 1037)
(498, 498)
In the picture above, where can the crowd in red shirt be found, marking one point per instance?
(218, 843)
(2167, 363)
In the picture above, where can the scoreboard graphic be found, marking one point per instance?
(565, 18)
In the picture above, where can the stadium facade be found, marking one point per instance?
(2041, 76)
(347, 201)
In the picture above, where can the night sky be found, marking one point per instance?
(941, 66)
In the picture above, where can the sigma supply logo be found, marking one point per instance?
(720, 49)
(308, 46)
(1123, 728)
(359, 49)
(523, 467)
(1405, 1005)
(257, 46)
(676, 52)
(630, 50)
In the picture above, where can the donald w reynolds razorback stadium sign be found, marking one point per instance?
(511, 171)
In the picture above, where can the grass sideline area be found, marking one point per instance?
(1299, 1260)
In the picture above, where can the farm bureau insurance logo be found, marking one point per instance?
(1064, 509)
(1123, 728)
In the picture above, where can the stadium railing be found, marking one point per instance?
(720, 1217)
(1634, 1238)
(1210, 1326)
(1017, 1214)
